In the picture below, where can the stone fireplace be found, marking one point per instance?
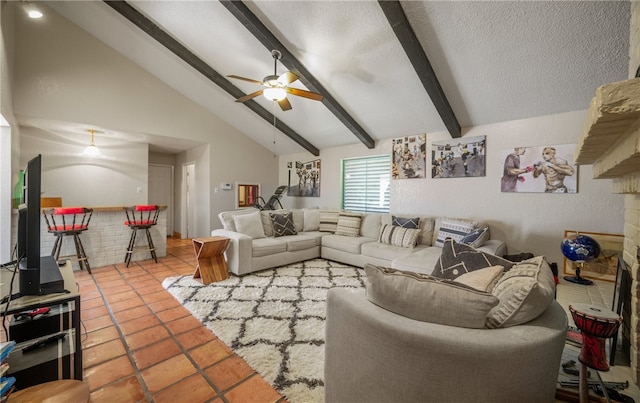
(611, 142)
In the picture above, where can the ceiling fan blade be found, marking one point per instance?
(287, 78)
(304, 93)
(250, 96)
(251, 80)
(284, 104)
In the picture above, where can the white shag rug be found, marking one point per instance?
(274, 319)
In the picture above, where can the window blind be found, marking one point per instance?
(365, 184)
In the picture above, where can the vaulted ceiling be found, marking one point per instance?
(385, 68)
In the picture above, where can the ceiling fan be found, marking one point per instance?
(277, 86)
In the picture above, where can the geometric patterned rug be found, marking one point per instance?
(274, 319)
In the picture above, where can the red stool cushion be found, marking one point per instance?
(68, 210)
(146, 207)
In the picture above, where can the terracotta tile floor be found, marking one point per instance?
(139, 344)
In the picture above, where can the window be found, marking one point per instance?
(365, 184)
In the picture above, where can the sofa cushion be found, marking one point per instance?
(422, 260)
(457, 259)
(482, 279)
(227, 218)
(476, 238)
(425, 224)
(301, 242)
(345, 243)
(370, 225)
(403, 222)
(329, 220)
(298, 219)
(267, 246)
(453, 229)
(428, 299)
(348, 224)
(311, 219)
(283, 224)
(249, 224)
(525, 291)
(386, 252)
(398, 236)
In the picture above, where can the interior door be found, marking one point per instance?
(161, 190)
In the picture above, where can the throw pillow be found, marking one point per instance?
(525, 291)
(311, 220)
(328, 220)
(482, 279)
(406, 222)
(249, 224)
(476, 238)
(348, 224)
(283, 224)
(428, 299)
(457, 259)
(267, 225)
(455, 230)
(398, 236)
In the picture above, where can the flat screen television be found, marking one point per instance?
(38, 274)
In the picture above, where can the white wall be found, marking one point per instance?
(527, 222)
(64, 74)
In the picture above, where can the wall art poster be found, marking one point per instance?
(409, 157)
(458, 158)
(304, 179)
(543, 169)
(605, 266)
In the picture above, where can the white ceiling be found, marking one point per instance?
(496, 61)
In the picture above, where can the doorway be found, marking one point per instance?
(189, 198)
(161, 190)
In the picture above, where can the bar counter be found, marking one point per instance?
(106, 240)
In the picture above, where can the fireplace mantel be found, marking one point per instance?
(611, 135)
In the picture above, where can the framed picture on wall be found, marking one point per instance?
(409, 157)
(307, 179)
(540, 169)
(605, 266)
(458, 158)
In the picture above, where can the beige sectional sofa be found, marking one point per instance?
(254, 247)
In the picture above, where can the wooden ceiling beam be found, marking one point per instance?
(269, 40)
(412, 47)
(153, 30)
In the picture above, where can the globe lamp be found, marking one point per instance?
(580, 249)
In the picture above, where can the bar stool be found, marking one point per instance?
(141, 217)
(63, 221)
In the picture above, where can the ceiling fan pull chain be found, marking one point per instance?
(274, 129)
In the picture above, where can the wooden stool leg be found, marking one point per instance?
(152, 248)
(57, 245)
(132, 241)
(83, 260)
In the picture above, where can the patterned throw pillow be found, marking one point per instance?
(328, 220)
(455, 230)
(525, 292)
(283, 224)
(458, 259)
(406, 222)
(348, 224)
(398, 236)
(428, 299)
(476, 238)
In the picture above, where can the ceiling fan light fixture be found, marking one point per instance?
(274, 94)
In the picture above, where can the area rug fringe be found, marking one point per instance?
(273, 319)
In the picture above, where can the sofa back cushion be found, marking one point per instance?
(227, 221)
(370, 225)
(428, 299)
(311, 219)
(249, 224)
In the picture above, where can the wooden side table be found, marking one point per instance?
(211, 264)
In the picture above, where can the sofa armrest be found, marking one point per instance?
(495, 247)
(238, 252)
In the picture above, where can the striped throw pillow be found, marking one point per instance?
(398, 236)
(328, 220)
(348, 224)
(455, 230)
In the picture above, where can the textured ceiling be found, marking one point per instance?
(496, 61)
